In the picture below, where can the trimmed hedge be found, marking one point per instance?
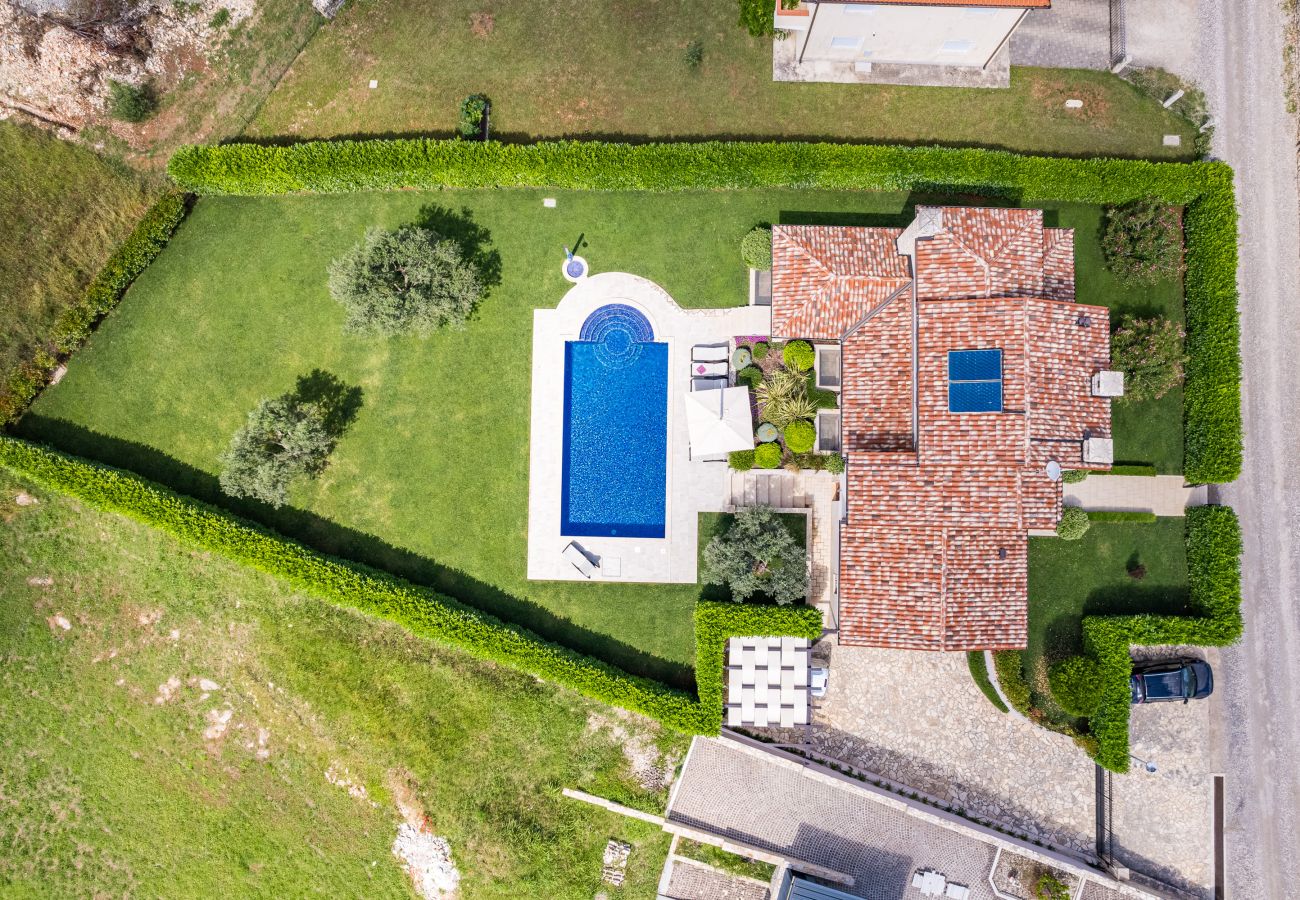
(1213, 538)
(140, 248)
(1113, 515)
(1140, 469)
(420, 610)
(1211, 392)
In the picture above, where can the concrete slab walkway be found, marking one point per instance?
(1164, 495)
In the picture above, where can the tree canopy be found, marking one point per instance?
(284, 438)
(758, 555)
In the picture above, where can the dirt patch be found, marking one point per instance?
(218, 723)
(482, 23)
(635, 735)
(25, 499)
(1052, 94)
(167, 691)
(58, 622)
(427, 859)
(40, 581)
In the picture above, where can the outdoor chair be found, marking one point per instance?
(957, 892)
(574, 554)
(706, 370)
(708, 384)
(711, 353)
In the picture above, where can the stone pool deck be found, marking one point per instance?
(692, 486)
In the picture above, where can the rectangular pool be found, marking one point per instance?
(615, 465)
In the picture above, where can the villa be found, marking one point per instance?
(970, 379)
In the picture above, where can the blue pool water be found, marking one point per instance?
(615, 428)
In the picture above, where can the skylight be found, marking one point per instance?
(974, 381)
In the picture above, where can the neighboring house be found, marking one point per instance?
(966, 368)
(960, 43)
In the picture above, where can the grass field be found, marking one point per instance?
(110, 789)
(64, 210)
(1071, 579)
(618, 69)
(431, 481)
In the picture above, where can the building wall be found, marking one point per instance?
(914, 35)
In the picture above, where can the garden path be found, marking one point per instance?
(1164, 495)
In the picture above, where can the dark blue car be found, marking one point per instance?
(1167, 680)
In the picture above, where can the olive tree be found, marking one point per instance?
(758, 554)
(284, 438)
(410, 280)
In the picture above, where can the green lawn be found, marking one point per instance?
(431, 480)
(65, 210)
(617, 69)
(108, 792)
(1071, 579)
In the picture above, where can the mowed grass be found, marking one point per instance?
(431, 481)
(618, 69)
(1072, 579)
(111, 791)
(64, 211)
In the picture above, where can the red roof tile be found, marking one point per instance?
(825, 280)
(934, 553)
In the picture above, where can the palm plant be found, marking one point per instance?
(777, 386)
(789, 409)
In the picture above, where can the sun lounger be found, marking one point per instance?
(708, 384)
(706, 369)
(579, 559)
(711, 352)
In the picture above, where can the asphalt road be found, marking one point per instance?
(1239, 55)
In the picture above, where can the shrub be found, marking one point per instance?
(1150, 354)
(74, 325)
(798, 355)
(694, 55)
(1074, 476)
(1049, 887)
(787, 410)
(741, 460)
(1074, 524)
(1211, 396)
(757, 555)
(1143, 241)
(220, 19)
(1012, 680)
(759, 351)
(800, 435)
(750, 376)
(131, 102)
(756, 17)
(767, 456)
(741, 358)
(1076, 685)
(284, 439)
(408, 280)
(473, 115)
(767, 433)
(1139, 469)
(756, 248)
(980, 673)
(835, 464)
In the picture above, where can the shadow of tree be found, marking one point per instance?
(326, 536)
(338, 401)
(474, 240)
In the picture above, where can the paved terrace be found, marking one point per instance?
(1164, 495)
(693, 487)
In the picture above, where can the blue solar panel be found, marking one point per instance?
(975, 365)
(974, 381)
(975, 396)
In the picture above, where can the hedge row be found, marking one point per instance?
(1130, 516)
(1214, 580)
(1139, 469)
(72, 328)
(1212, 411)
(420, 610)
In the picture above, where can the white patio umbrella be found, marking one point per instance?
(719, 421)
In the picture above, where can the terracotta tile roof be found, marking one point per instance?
(934, 553)
(825, 279)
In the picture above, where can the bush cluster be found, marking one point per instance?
(1006, 663)
(1143, 241)
(1074, 476)
(756, 17)
(759, 351)
(1074, 524)
(1213, 538)
(131, 102)
(800, 435)
(756, 248)
(835, 464)
(473, 110)
(72, 328)
(741, 460)
(767, 456)
(750, 376)
(1075, 683)
(1150, 354)
(422, 611)
(798, 356)
(1211, 399)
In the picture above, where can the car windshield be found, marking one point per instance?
(1164, 685)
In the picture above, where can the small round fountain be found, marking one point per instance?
(574, 268)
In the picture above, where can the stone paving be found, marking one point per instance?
(918, 719)
(1074, 35)
(1164, 495)
(691, 881)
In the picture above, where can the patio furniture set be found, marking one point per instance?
(934, 884)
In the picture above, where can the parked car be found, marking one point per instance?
(1166, 680)
(820, 676)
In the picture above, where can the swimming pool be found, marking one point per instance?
(615, 465)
